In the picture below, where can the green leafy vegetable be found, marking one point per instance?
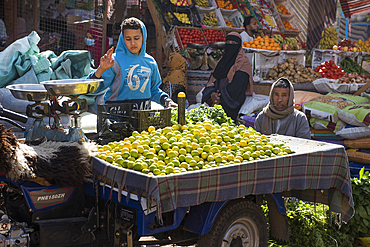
(203, 113)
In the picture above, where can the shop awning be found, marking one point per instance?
(350, 7)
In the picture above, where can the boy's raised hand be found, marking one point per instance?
(106, 62)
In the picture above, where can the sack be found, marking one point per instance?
(301, 97)
(354, 132)
(320, 124)
(325, 107)
(357, 156)
(357, 115)
(358, 143)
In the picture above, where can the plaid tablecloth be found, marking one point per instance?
(317, 172)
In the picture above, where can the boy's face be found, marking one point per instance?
(133, 40)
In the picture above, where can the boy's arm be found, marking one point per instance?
(157, 95)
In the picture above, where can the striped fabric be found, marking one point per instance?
(321, 15)
(351, 7)
(311, 17)
(300, 11)
(317, 172)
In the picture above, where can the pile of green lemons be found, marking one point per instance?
(189, 147)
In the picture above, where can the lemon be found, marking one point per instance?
(230, 157)
(130, 164)
(204, 155)
(218, 159)
(184, 127)
(188, 159)
(169, 170)
(194, 153)
(165, 146)
(184, 165)
(276, 150)
(207, 148)
(210, 158)
(172, 154)
(109, 159)
(246, 155)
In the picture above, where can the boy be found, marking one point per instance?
(130, 75)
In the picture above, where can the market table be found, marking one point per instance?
(316, 172)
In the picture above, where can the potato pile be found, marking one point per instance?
(293, 71)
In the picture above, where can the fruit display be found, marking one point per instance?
(225, 4)
(182, 3)
(364, 45)
(282, 9)
(191, 36)
(210, 19)
(329, 38)
(288, 26)
(229, 24)
(350, 66)
(329, 69)
(278, 39)
(350, 78)
(293, 71)
(214, 36)
(188, 148)
(265, 43)
(347, 45)
(202, 3)
(183, 17)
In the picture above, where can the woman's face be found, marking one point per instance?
(133, 40)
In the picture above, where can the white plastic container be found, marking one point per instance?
(211, 5)
(220, 19)
(234, 16)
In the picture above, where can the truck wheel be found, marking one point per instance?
(240, 223)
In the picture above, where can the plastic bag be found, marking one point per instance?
(357, 115)
(254, 103)
(354, 132)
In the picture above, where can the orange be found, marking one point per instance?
(279, 49)
(253, 46)
(259, 37)
(259, 47)
(264, 47)
(276, 44)
(248, 45)
(272, 40)
(256, 42)
(245, 43)
(266, 44)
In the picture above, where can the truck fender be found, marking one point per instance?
(277, 217)
(201, 217)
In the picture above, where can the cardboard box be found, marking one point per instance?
(79, 29)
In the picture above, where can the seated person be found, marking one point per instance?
(130, 75)
(251, 28)
(231, 80)
(94, 43)
(279, 116)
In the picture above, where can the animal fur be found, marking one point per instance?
(59, 163)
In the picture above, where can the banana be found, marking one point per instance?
(329, 38)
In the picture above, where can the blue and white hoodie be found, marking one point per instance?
(133, 78)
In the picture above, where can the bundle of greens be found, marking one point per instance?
(203, 113)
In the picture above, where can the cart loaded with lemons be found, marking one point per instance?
(203, 182)
(199, 182)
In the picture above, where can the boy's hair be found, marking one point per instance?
(130, 23)
(247, 20)
(282, 83)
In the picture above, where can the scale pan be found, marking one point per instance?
(67, 87)
(30, 92)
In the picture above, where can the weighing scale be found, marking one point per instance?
(51, 99)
